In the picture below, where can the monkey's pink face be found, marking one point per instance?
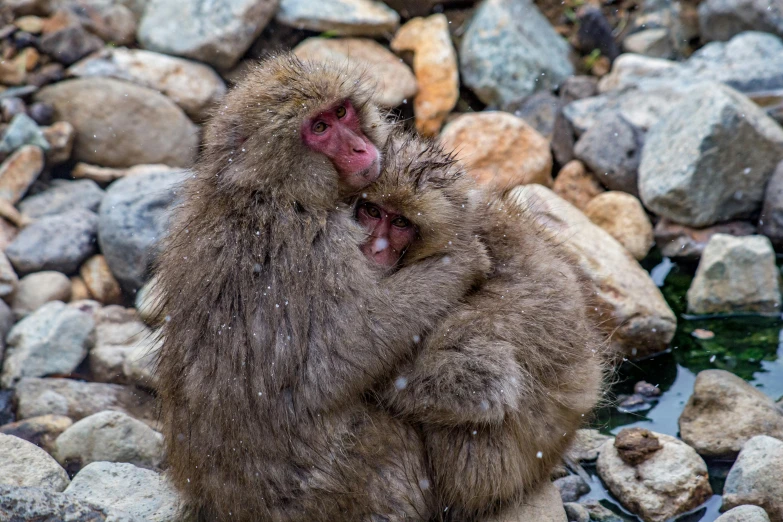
(337, 134)
(390, 233)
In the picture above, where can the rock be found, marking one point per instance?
(576, 512)
(771, 220)
(19, 171)
(6, 406)
(140, 363)
(41, 431)
(681, 241)
(623, 216)
(41, 113)
(736, 274)
(60, 137)
(63, 196)
(10, 107)
(113, 22)
(709, 159)
(632, 307)
(37, 289)
(8, 278)
(586, 444)
(69, 44)
(571, 487)
(193, 86)
(510, 51)
(340, 17)
(755, 477)
(120, 488)
(540, 110)
(58, 243)
(102, 110)
(133, 217)
(29, 24)
(724, 19)
(724, 412)
(594, 32)
(23, 464)
(435, 66)
(575, 185)
(100, 282)
(219, 35)
(578, 87)
(118, 333)
(104, 175)
(79, 290)
(636, 445)
(22, 131)
(655, 43)
(394, 81)
(53, 339)
(670, 482)
(543, 505)
(49, 73)
(28, 504)
(500, 150)
(6, 323)
(109, 436)
(744, 514)
(612, 149)
(598, 513)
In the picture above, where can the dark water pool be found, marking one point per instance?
(748, 346)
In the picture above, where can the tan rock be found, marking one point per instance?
(394, 81)
(27, 59)
(60, 136)
(118, 333)
(100, 282)
(576, 185)
(37, 289)
(8, 233)
(19, 171)
(435, 66)
(11, 73)
(623, 216)
(29, 24)
(631, 307)
(79, 290)
(106, 175)
(500, 150)
(41, 431)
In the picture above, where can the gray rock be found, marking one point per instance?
(736, 274)
(755, 477)
(63, 196)
(36, 397)
(28, 504)
(656, 43)
(6, 322)
(22, 131)
(709, 158)
(70, 43)
(576, 512)
(571, 487)
(109, 436)
(586, 445)
(771, 219)
(671, 481)
(724, 412)
(724, 19)
(58, 243)
(23, 464)
(510, 51)
(598, 513)
(133, 218)
(53, 339)
(37, 289)
(119, 124)
(343, 17)
(124, 489)
(578, 87)
(118, 333)
(744, 514)
(612, 150)
(594, 32)
(676, 240)
(217, 33)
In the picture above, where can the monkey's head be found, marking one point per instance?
(306, 130)
(424, 203)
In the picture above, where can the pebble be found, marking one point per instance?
(63, 196)
(655, 43)
(713, 126)
(576, 512)
(634, 309)
(11, 107)
(586, 445)
(195, 87)
(671, 481)
(60, 137)
(60, 243)
(124, 489)
(27, 504)
(100, 282)
(624, 218)
(744, 514)
(109, 436)
(394, 81)
(22, 131)
(118, 333)
(736, 274)
(340, 17)
(755, 477)
(218, 36)
(29, 24)
(542, 505)
(500, 150)
(52, 340)
(578, 87)
(69, 44)
(576, 185)
(19, 171)
(724, 412)
(676, 240)
(26, 465)
(571, 487)
(41, 431)
(79, 291)
(723, 19)
(510, 51)
(113, 22)
(37, 289)
(133, 217)
(435, 66)
(152, 127)
(594, 32)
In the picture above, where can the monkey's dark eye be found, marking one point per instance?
(320, 127)
(372, 211)
(340, 112)
(401, 222)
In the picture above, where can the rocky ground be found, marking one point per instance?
(627, 125)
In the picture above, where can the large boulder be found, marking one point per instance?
(755, 477)
(23, 464)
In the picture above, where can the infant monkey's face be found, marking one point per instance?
(391, 233)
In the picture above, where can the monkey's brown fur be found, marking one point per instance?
(501, 385)
(278, 326)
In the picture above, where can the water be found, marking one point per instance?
(749, 346)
